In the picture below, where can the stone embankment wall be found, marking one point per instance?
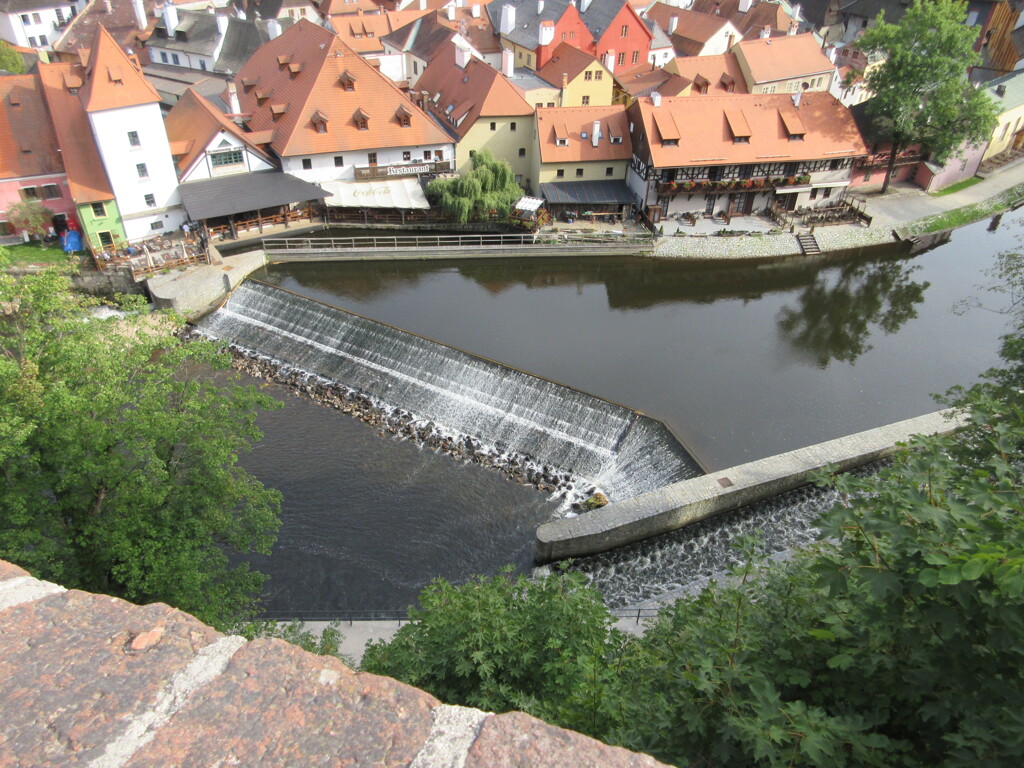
(680, 504)
(94, 681)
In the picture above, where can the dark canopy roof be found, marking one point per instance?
(210, 198)
(587, 192)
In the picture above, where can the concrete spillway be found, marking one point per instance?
(601, 443)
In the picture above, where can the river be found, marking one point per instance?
(741, 362)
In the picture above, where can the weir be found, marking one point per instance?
(600, 443)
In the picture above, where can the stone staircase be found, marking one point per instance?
(808, 244)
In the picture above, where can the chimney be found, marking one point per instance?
(797, 8)
(507, 59)
(596, 133)
(745, 5)
(584, 4)
(461, 57)
(656, 99)
(796, 99)
(476, 11)
(451, 12)
(170, 18)
(832, 52)
(423, 5)
(140, 14)
(222, 24)
(233, 104)
(1001, 90)
(540, 7)
(672, 24)
(546, 35)
(609, 61)
(794, 27)
(273, 29)
(565, 80)
(766, 31)
(508, 18)
(107, 7)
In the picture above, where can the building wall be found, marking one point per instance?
(1010, 122)
(592, 171)
(593, 92)
(324, 167)
(568, 29)
(10, 193)
(121, 160)
(203, 168)
(30, 28)
(821, 81)
(158, 55)
(545, 97)
(515, 146)
(721, 41)
(636, 44)
(524, 57)
(92, 224)
(661, 56)
(957, 168)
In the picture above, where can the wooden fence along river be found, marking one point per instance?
(456, 246)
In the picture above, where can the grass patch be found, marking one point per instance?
(968, 214)
(958, 186)
(31, 253)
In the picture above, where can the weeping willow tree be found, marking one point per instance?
(490, 186)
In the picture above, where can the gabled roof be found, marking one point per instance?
(601, 13)
(476, 30)
(28, 144)
(364, 33)
(701, 127)
(567, 60)
(323, 58)
(659, 37)
(423, 38)
(477, 92)
(526, 32)
(646, 79)
(347, 7)
(199, 33)
(750, 23)
(113, 79)
(241, 40)
(692, 28)
(782, 58)
(120, 23)
(1007, 91)
(193, 123)
(717, 70)
(87, 178)
(570, 123)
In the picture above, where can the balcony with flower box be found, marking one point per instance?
(721, 186)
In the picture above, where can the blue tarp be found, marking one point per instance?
(72, 241)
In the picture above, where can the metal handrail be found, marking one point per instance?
(392, 242)
(390, 615)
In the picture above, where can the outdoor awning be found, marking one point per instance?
(587, 193)
(527, 203)
(392, 193)
(223, 196)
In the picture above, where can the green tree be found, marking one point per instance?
(546, 647)
(118, 450)
(10, 60)
(32, 217)
(920, 90)
(490, 186)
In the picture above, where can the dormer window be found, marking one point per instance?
(249, 82)
(262, 96)
(319, 120)
(701, 83)
(562, 142)
(294, 68)
(277, 110)
(347, 81)
(616, 139)
(670, 143)
(362, 120)
(404, 116)
(282, 61)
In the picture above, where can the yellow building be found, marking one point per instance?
(581, 159)
(480, 109)
(1008, 93)
(582, 79)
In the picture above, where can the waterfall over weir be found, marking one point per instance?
(619, 450)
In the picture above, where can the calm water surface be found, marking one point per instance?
(740, 362)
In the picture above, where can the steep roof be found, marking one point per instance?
(198, 29)
(112, 78)
(242, 38)
(194, 122)
(601, 13)
(423, 38)
(28, 144)
(467, 95)
(1012, 90)
(566, 60)
(87, 178)
(691, 26)
(570, 123)
(646, 79)
(526, 32)
(781, 58)
(701, 127)
(290, 79)
(762, 13)
(477, 30)
(119, 22)
(364, 33)
(717, 70)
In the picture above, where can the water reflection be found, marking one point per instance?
(836, 314)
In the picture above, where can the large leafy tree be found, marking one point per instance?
(32, 217)
(118, 448)
(10, 59)
(489, 186)
(920, 90)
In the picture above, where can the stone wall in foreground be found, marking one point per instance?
(93, 680)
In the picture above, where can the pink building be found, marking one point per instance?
(30, 163)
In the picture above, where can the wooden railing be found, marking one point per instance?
(730, 185)
(313, 245)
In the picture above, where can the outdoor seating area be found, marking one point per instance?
(154, 254)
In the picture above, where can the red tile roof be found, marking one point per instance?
(702, 128)
(28, 144)
(567, 60)
(114, 79)
(645, 79)
(782, 58)
(478, 91)
(289, 98)
(717, 70)
(571, 122)
(192, 124)
(87, 178)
